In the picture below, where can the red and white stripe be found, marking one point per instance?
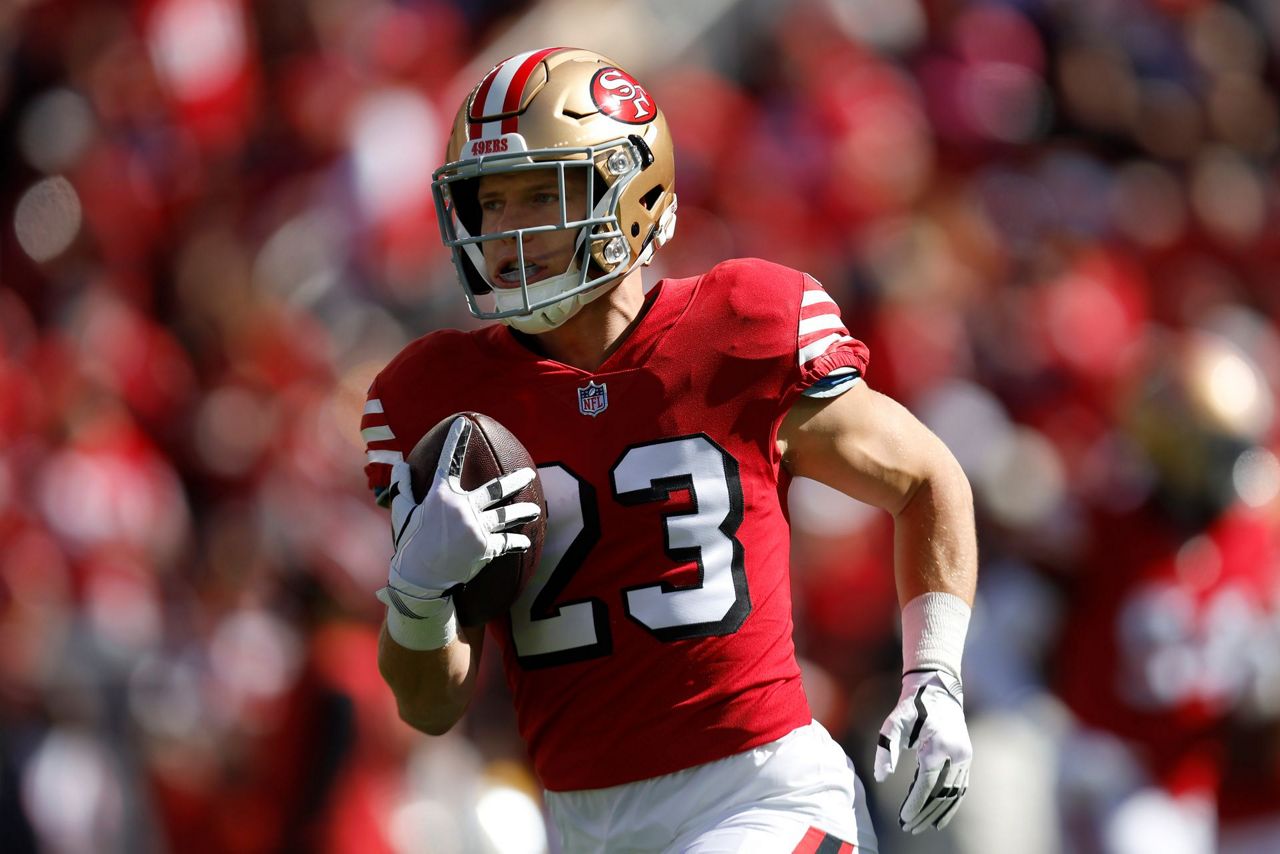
(821, 329)
(500, 92)
(377, 434)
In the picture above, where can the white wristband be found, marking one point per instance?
(933, 629)
(428, 625)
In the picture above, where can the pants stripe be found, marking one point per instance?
(817, 841)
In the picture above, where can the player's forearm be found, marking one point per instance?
(935, 544)
(432, 687)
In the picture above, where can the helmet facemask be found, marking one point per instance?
(601, 257)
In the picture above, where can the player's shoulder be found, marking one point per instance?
(435, 368)
(752, 273)
(759, 310)
(435, 344)
(754, 290)
(424, 357)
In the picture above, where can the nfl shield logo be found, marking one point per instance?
(593, 399)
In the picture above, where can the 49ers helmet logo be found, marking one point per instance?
(619, 96)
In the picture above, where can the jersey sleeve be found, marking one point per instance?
(830, 360)
(382, 447)
(408, 397)
(783, 330)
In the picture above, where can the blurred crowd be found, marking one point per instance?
(1053, 221)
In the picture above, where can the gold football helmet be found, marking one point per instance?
(1196, 404)
(561, 109)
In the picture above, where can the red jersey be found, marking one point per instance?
(656, 633)
(1159, 635)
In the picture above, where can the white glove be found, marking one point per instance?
(446, 539)
(930, 718)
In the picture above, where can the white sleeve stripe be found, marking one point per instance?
(822, 345)
(821, 323)
(377, 434)
(372, 406)
(815, 297)
(385, 457)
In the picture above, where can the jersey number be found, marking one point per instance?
(547, 631)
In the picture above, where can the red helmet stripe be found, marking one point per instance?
(477, 103)
(500, 92)
(518, 82)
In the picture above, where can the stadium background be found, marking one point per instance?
(217, 227)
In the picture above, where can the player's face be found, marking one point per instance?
(523, 200)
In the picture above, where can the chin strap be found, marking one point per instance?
(665, 231)
(542, 319)
(548, 318)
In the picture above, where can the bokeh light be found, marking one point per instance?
(47, 218)
(56, 130)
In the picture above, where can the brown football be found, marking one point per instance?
(492, 451)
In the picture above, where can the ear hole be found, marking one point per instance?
(651, 197)
(635, 229)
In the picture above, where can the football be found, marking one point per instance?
(492, 451)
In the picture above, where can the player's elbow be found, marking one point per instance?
(432, 721)
(433, 712)
(942, 484)
(430, 695)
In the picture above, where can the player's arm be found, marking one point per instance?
(432, 687)
(870, 447)
(440, 542)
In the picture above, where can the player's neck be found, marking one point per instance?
(598, 329)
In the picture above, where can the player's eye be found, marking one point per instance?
(490, 205)
(546, 197)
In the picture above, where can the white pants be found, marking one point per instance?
(764, 801)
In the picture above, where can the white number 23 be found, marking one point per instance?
(547, 631)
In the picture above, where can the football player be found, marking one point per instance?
(1169, 614)
(650, 658)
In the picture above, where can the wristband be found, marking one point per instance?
(429, 624)
(933, 629)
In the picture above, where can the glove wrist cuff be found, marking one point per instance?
(427, 625)
(934, 626)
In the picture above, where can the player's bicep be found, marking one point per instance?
(863, 443)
